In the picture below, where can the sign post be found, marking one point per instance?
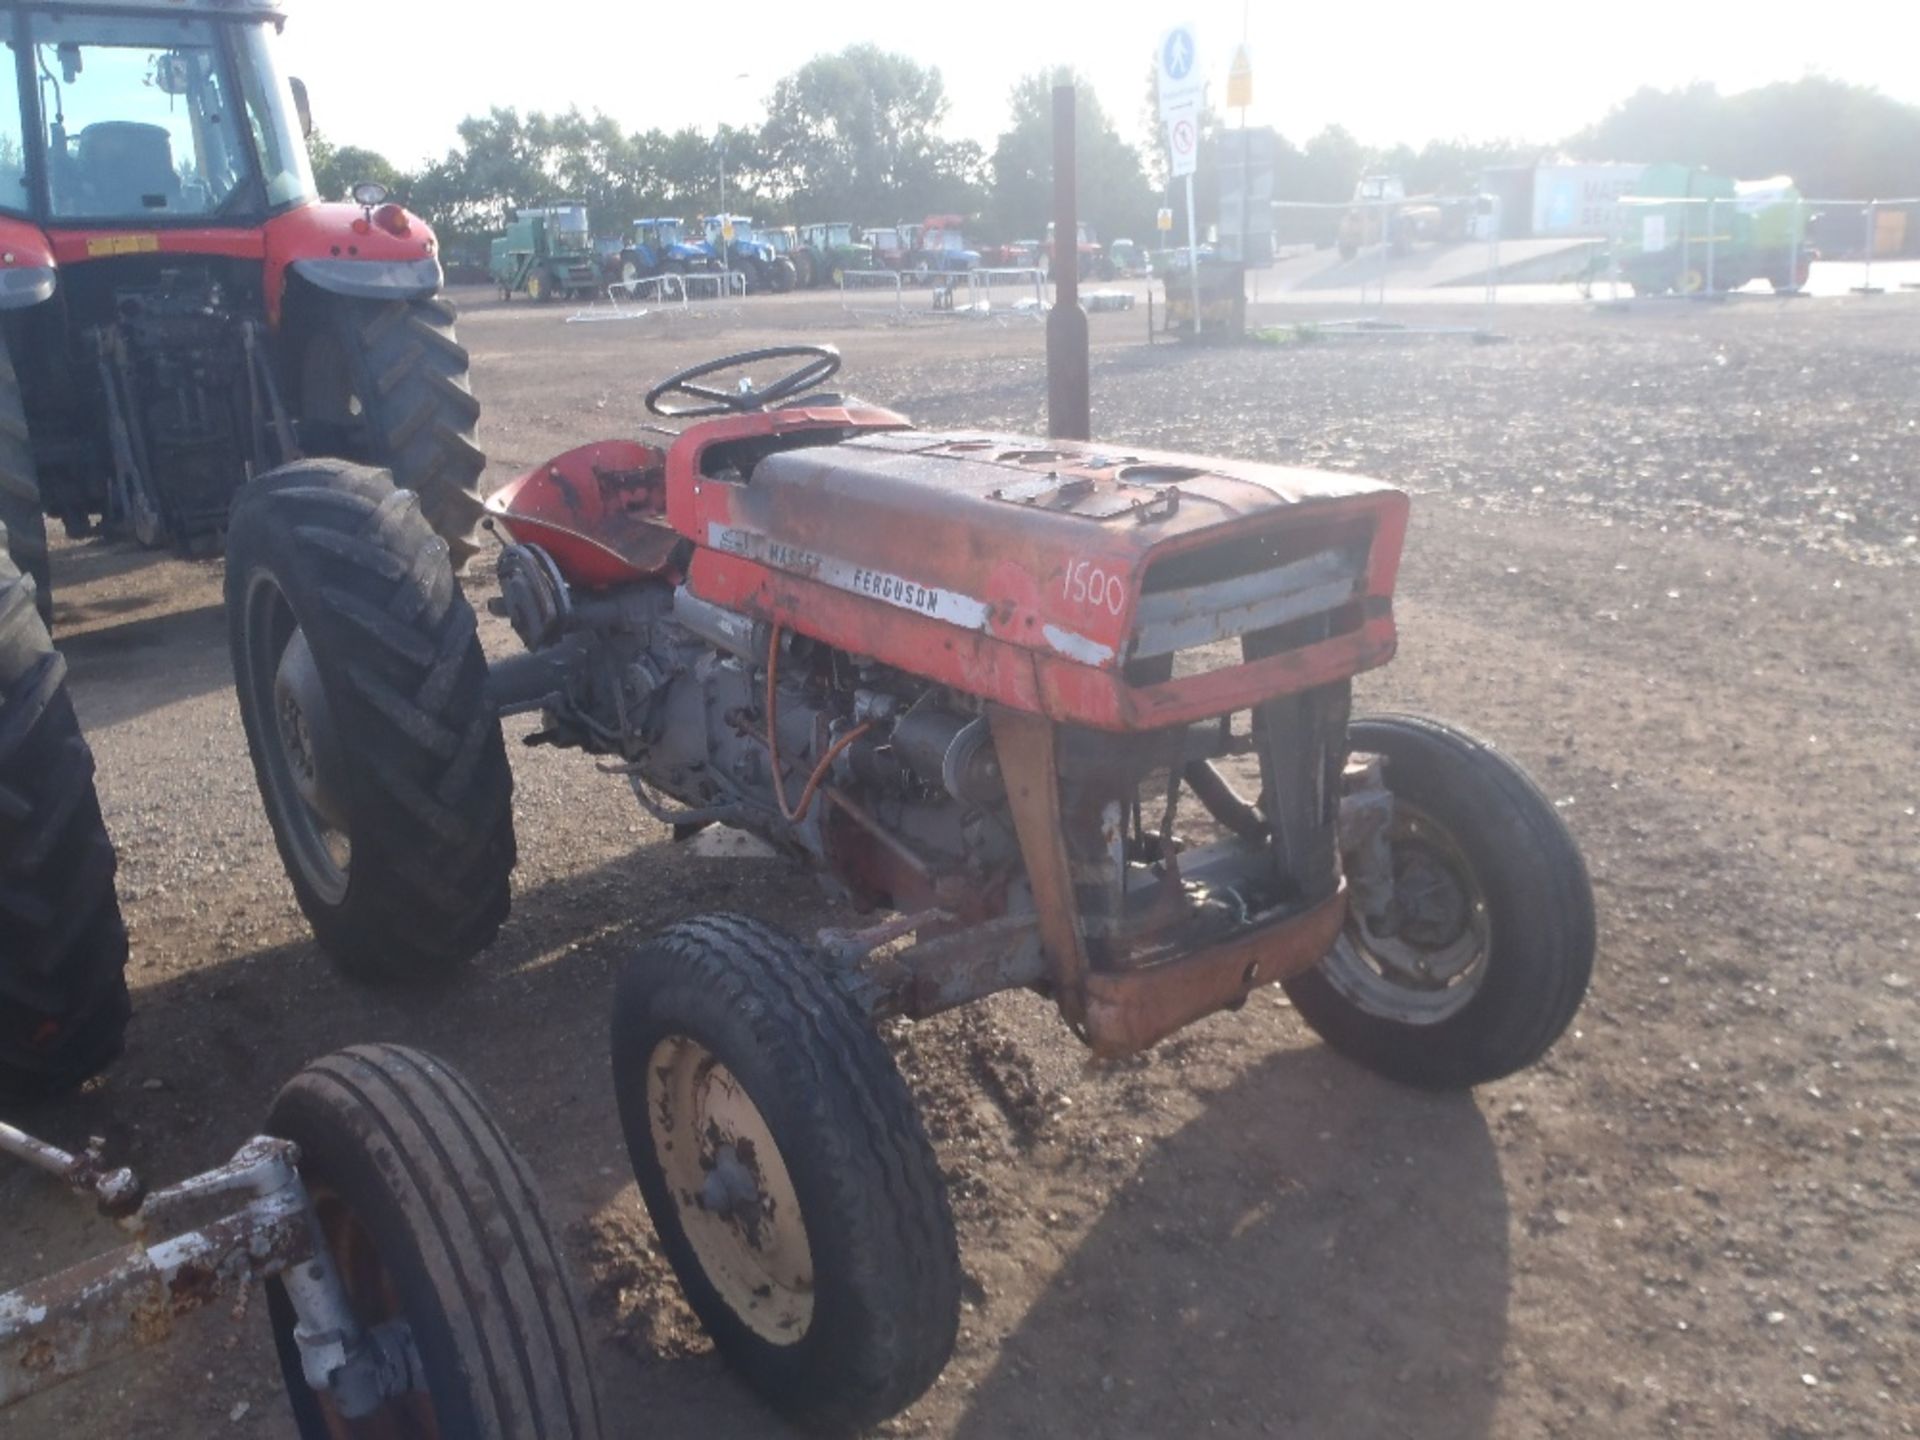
(1239, 97)
(1181, 89)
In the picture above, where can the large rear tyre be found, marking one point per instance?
(1486, 950)
(384, 382)
(363, 692)
(786, 1171)
(434, 1223)
(63, 948)
(20, 512)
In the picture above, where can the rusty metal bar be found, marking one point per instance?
(63, 1325)
(1069, 386)
(117, 1192)
(1024, 744)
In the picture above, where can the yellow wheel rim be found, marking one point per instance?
(730, 1187)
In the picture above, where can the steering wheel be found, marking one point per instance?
(822, 362)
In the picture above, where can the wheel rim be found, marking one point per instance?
(302, 763)
(1425, 961)
(373, 1296)
(730, 1188)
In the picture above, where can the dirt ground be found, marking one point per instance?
(1667, 560)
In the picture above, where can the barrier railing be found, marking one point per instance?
(864, 280)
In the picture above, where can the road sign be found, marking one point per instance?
(1164, 220)
(726, 231)
(1177, 68)
(1183, 142)
(1240, 79)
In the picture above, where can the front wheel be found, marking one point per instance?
(785, 1169)
(63, 948)
(1480, 957)
(435, 1226)
(384, 382)
(363, 692)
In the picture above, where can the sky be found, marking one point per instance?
(1388, 70)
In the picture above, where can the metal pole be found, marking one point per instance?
(1711, 204)
(1193, 258)
(1493, 262)
(1799, 234)
(1069, 386)
(1866, 277)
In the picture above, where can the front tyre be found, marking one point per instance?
(63, 948)
(20, 503)
(363, 691)
(786, 1171)
(435, 1225)
(384, 382)
(1483, 955)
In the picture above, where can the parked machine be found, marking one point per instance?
(1383, 213)
(546, 254)
(178, 312)
(1089, 254)
(1074, 717)
(1690, 232)
(659, 247)
(942, 248)
(827, 252)
(747, 253)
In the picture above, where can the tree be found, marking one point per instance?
(857, 135)
(337, 169)
(1115, 196)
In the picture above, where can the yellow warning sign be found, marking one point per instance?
(1240, 79)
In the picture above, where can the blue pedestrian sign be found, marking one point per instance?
(1176, 56)
(1177, 63)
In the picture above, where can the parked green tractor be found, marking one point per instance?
(828, 251)
(546, 254)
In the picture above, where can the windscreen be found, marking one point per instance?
(139, 119)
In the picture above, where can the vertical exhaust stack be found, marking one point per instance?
(1069, 403)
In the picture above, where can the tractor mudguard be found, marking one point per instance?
(374, 279)
(337, 248)
(27, 269)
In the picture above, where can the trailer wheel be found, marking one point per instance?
(435, 1224)
(63, 948)
(363, 692)
(20, 511)
(1486, 954)
(787, 1174)
(384, 382)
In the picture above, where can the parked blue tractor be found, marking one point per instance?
(747, 253)
(659, 247)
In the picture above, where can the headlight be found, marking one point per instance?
(369, 193)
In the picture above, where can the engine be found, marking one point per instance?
(878, 777)
(174, 367)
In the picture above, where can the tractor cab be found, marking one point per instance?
(161, 114)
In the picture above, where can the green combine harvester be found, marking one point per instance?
(546, 254)
(1690, 232)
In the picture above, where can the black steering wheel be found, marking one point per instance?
(822, 362)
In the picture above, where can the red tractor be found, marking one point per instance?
(178, 313)
(998, 689)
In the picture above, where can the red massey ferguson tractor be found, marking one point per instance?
(999, 688)
(177, 312)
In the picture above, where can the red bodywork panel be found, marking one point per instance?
(315, 231)
(1022, 571)
(23, 244)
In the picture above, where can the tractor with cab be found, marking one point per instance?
(1060, 716)
(546, 254)
(179, 312)
(659, 246)
(831, 251)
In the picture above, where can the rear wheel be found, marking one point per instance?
(20, 510)
(363, 691)
(63, 948)
(435, 1225)
(385, 383)
(1484, 953)
(787, 1174)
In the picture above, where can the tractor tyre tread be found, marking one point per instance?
(431, 789)
(880, 1204)
(455, 1215)
(1536, 885)
(63, 946)
(421, 409)
(20, 500)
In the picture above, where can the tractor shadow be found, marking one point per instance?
(119, 672)
(1320, 1253)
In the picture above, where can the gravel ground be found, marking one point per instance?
(1666, 560)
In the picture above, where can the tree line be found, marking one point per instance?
(858, 136)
